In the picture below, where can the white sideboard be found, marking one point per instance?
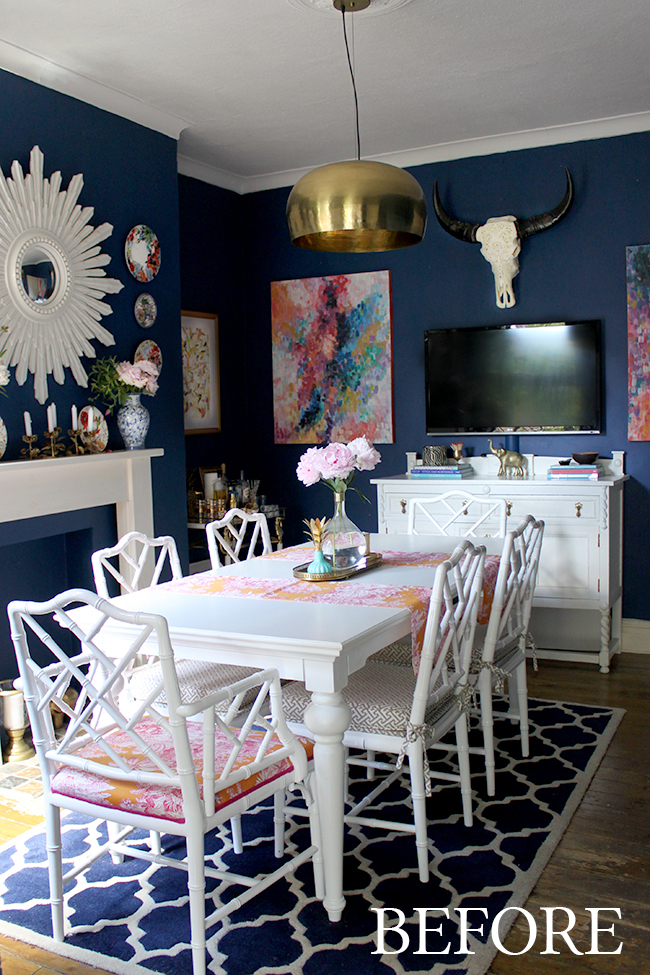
(577, 608)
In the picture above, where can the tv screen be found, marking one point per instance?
(531, 379)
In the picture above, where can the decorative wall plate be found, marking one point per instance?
(94, 431)
(149, 351)
(142, 253)
(145, 310)
(3, 437)
(51, 276)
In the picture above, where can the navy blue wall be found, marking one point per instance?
(129, 177)
(211, 282)
(575, 270)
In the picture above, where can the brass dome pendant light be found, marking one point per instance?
(357, 206)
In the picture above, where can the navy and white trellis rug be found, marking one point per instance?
(133, 917)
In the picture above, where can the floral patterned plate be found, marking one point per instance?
(94, 431)
(150, 351)
(145, 310)
(142, 253)
(3, 437)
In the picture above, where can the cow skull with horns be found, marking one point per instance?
(500, 238)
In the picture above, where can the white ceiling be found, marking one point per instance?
(258, 91)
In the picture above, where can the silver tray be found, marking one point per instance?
(369, 561)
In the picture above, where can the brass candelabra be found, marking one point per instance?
(30, 451)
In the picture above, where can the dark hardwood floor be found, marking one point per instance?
(603, 859)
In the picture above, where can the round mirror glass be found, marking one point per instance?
(38, 274)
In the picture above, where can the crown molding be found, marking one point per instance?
(444, 152)
(210, 174)
(21, 62)
(42, 71)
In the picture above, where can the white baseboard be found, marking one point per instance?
(635, 636)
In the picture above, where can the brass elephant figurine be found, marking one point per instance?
(509, 459)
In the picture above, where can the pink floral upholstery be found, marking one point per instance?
(164, 802)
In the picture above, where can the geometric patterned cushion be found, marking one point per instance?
(398, 653)
(501, 653)
(196, 679)
(164, 802)
(380, 697)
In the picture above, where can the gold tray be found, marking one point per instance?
(369, 561)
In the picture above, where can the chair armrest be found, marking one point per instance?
(229, 693)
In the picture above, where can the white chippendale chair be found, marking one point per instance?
(238, 530)
(161, 772)
(438, 514)
(133, 551)
(500, 647)
(458, 513)
(197, 678)
(395, 711)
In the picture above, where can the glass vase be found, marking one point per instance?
(133, 422)
(345, 544)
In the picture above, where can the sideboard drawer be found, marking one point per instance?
(551, 509)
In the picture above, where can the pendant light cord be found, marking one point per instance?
(354, 85)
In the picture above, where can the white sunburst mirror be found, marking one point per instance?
(53, 282)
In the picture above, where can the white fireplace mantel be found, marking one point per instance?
(52, 485)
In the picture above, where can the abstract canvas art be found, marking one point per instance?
(638, 341)
(332, 358)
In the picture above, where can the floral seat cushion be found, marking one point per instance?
(163, 801)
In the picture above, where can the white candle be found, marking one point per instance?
(53, 415)
(50, 424)
(28, 423)
(13, 710)
(74, 418)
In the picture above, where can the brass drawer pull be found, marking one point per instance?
(508, 508)
(578, 508)
(403, 505)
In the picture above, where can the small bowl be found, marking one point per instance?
(565, 463)
(585, 458)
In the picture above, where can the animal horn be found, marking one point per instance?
(534, 225)
(457, 228)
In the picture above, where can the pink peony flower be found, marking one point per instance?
(308, 469)
(366, 457)
(141, 375)
(336, 461)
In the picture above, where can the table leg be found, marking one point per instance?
(328, 717)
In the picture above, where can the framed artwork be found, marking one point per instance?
(332, 358)
(201, 394)
(638, 341)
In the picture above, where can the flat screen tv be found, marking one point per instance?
(526, 379)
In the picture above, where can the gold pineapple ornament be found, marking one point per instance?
(318, 528)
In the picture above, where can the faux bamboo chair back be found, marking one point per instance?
(515, 589)
(448, 514)
(450, 627)
(237, 530)
(499, 656)
(128, 561)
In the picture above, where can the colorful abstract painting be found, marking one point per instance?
(638, 341)
(332, 358)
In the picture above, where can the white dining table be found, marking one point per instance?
(315, 643)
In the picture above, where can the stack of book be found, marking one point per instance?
(569, 472)
(448, 470)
